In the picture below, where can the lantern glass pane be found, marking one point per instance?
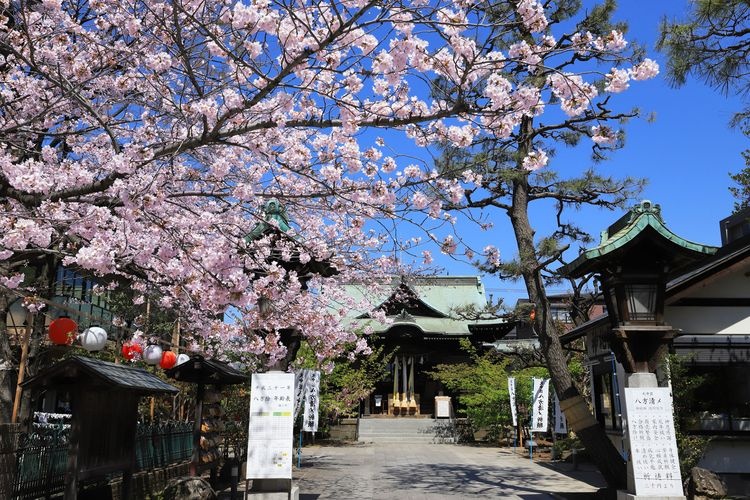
(641, 302)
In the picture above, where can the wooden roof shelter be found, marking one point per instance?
(104, 402)
(201, 371)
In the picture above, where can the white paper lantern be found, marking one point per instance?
(182, 358)
(152, 354)
(93, 338)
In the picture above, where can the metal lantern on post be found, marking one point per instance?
(637, 256)
(274, 226)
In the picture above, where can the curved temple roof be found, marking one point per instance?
(643, 219)
(430, 304)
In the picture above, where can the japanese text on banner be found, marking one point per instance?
(512, 395)
(540, 405)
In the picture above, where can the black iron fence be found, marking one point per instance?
(158, 445)
(33, 464)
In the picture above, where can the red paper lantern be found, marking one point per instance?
(168, 360)
(63, 331)
(130, 349)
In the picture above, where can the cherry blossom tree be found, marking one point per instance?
(140, 141)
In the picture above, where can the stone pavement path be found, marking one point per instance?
(428, 471)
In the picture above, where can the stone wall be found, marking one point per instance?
(345, 430)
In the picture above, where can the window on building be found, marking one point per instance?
(77, 292)
(720, 401)
(606, 403)
(561, 315)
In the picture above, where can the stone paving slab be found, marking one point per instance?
(431, 471)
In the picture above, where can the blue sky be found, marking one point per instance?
(686, 153)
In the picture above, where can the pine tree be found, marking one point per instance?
(714, 46)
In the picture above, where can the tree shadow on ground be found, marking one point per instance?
(467, 481)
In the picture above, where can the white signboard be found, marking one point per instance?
(442, 407)
(512, 395)
(653, 448)
(540, 409)
(270, 435)
(312, 401)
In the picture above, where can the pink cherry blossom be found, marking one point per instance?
(535, 160)
(645, 70)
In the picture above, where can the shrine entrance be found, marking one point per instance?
(409, 390)
(423, 330)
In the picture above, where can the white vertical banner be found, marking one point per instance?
(561, 424)
(312, 401)
(512, 396)
(300, 385)
(540, 405)
(270, 433)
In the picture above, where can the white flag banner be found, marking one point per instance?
(312, 401)
(561, 425)
(540, 405)
(512, 395)
(300, 384)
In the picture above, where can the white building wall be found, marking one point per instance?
(705, 320)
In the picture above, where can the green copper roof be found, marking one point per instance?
(434, 300)
(275, 217)
(621, 235)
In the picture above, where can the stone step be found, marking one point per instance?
(422, 430)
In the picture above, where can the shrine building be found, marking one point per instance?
(427, 319)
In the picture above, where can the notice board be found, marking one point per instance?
(653, 447)
(270, 435)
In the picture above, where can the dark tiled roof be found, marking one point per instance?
(725, 257)
(80, 369)
(206, 371)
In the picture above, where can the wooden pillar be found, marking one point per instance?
(194, 465)
(22, 366)
(71, 474)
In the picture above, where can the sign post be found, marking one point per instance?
(270, 434)
(513, 414)
(653, 446)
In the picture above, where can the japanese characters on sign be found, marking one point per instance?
(312, 400)
(561, 424)
(540, 405)
(653, 447)
(269, 442)
(512, 395)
